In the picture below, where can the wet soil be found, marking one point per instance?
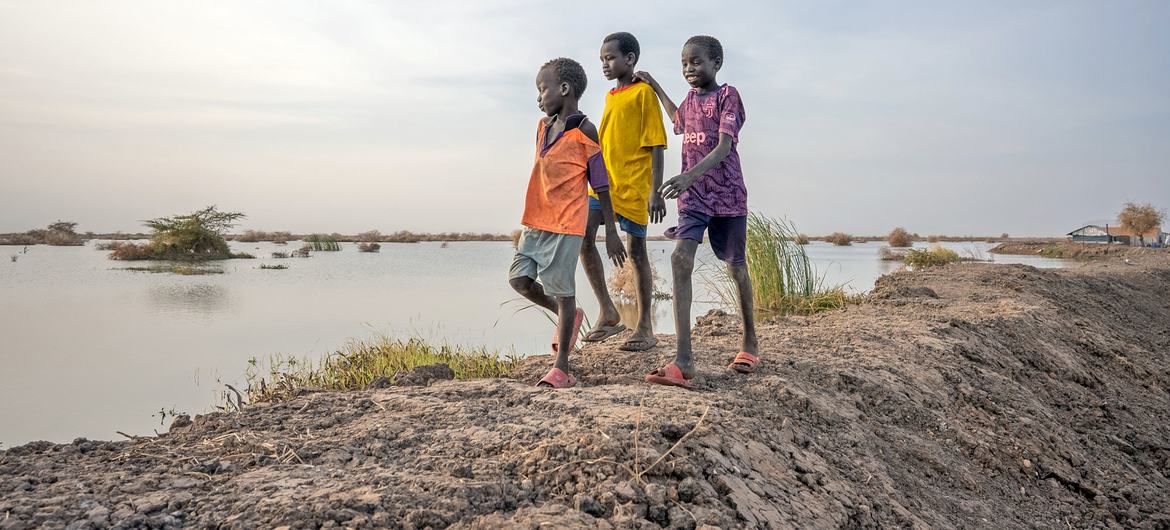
(967, 396)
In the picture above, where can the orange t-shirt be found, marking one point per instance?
(558, 190)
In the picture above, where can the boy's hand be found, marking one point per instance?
(674, 187)
(614, 247)
(657, 207)
(645, 76)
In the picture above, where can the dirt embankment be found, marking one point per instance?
(972, 396)
(1072, 249)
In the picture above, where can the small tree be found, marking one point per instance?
(194, 235)
(1140, 218)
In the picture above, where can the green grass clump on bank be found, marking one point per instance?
(921, 258)
(358, 363)
(783, 281)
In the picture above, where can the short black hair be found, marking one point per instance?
(709, 44)
(568, 71)
(627, 43)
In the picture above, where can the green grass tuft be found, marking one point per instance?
(358, 363)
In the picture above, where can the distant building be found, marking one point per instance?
(1117, 234)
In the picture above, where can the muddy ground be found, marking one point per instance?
(970, 396)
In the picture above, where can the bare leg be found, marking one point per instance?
(743, 287)
(595, 271)
(534, 292)
(682, 262)
(645, 280)
(566, 335)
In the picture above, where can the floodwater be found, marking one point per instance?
(87, 349)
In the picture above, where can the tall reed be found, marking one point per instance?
(323, 243)
(783, 280)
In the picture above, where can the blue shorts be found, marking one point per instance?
(728, 234)
(627, 226)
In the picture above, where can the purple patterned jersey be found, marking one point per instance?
(700, 120)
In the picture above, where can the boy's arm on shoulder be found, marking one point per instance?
(590, 130)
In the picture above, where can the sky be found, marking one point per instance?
(978, 117)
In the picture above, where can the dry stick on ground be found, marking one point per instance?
(637, 474)
(239, 400)
(676, 444)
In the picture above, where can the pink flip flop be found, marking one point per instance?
(669, 375)
(578, 317)
(557, 378)
(745, 363)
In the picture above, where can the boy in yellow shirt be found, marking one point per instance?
(632, 141)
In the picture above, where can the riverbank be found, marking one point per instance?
(1065, 249)
(974, 395)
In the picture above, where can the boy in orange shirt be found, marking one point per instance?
(632, 141)
(568, 162)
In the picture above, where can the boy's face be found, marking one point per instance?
(698, 67)
(613, 64)
(550, 92)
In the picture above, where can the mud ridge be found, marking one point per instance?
(972, 396)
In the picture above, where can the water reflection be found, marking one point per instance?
(200, 299)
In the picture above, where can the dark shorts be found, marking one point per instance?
(627, 226)
(728, 234)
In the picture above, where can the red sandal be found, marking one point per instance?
(558, 379)
(745, 363)
(669, 375)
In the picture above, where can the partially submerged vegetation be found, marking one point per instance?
(60, 234)
(900, 238)
(359, 363)
(371, 247)
(783, 280)
(277, 267)
(889, 254)
(840, 239)
(920, 258)
(191, 237)
(256, 236)
(323, 243)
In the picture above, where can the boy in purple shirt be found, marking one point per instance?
(711, 197)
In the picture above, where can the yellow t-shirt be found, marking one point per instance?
(630, 126)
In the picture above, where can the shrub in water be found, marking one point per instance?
(899, 238)
(840, 239)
